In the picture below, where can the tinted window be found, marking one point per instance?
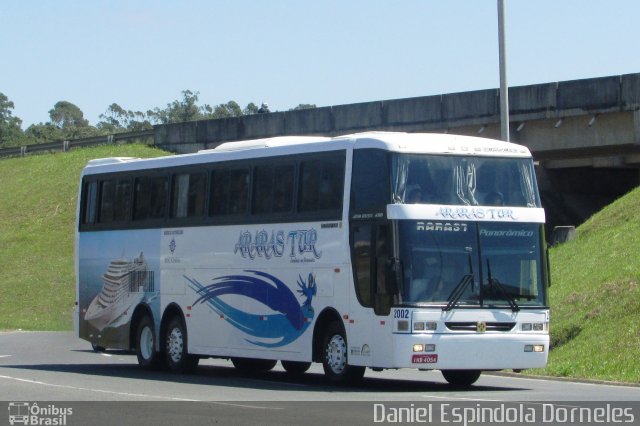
(150, 198)
(370, 183)
(362, 262)
(321, 184)
(273, 188)
(115, 200)
(188, 195)
(229, 191)
(89, 195)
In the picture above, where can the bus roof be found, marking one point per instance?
(419, 143)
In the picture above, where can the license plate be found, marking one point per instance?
(424, 359)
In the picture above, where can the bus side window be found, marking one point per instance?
(273, 188)
(89, 196)
(150, 198)
(370, 254)
(382, 299)
(321, 184)
(370, 184)
(361, 255)
(229, 192)
(115, 201)
(107, 195)
(188, 195)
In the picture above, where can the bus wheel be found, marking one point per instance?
(461, 378)
(294, 367)
(334, 357)
(148, 357)
(176, 349)
(252, 365)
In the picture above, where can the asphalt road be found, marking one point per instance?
(108, 388)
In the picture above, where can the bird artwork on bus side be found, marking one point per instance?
(268, 330)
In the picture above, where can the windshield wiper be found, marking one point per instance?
(458, 291)
(461, 287)
(494, 282)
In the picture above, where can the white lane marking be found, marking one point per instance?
(105, 354)
(462, 399)
(36, 382)
(141, 395)
(287, 384)
(563, 380)
(555, 404)
(5, 356)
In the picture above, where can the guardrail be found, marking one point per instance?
(74, 143)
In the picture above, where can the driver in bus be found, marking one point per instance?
(415, 196)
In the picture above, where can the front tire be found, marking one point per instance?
(148, 357)
(334, 357)
(461, 378)
(176, 349)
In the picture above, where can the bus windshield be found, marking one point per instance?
(504, 261)
(458, 180)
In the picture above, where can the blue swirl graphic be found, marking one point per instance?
(287, 325)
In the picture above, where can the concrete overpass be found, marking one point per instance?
(585, 134)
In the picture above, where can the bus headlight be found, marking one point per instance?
(419, 347)
(534, 348)
(425, 326)
(533, 326)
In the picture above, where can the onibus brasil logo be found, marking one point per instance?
(269, 331)
(27, 413)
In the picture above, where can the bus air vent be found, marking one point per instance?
(472, 326)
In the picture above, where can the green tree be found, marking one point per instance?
(117, 119)
(43, 132)
(230, 109)
(66, 115)
(187, 109)
(303, 106)
(251, 108)
(10, 127)
(114, 119)
(70, 119)
(180, 111)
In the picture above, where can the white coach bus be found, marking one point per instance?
(379, 250)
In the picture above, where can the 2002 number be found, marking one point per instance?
(401, 313)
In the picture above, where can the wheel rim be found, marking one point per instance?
(175, 345)
(336, 354)
(146, 343)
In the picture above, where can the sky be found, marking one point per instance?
(142, 54)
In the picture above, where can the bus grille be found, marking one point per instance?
(473, 326)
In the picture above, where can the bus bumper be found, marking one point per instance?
(471, 351)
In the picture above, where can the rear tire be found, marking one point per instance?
(335, 359)
(461, 378)
(148, 357)
(253, 365)
(295, 368)
(176, 349)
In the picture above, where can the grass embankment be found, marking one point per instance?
(37, 216)
(595, 297)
